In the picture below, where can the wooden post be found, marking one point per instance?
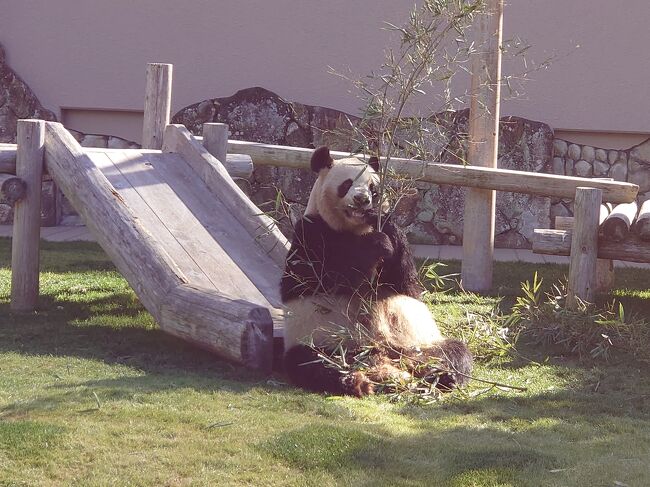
(215, 140)
(478, 220)
(584, 247)
(27, 216)
(157, 104)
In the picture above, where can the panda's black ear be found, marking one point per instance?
(321, 159)
(373, 162)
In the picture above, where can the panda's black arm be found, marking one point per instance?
(399, 271)
(321, 260)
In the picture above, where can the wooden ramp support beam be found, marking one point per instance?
(452, 174)
(27, 216)
(157, 104)
(584, 247)
(234, 329)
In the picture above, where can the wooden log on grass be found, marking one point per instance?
(642, 225)
(234, 329)
(618, 223)
(584, 248)
(157, 104)
(452, 174)
(27, 216)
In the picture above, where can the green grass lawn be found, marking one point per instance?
(92, 393)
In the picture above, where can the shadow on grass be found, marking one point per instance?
(114, 329)
(560, 437)
(451, 456)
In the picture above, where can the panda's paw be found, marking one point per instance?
(381, 244)
(357, 384)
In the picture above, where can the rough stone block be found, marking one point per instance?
(612, 156)
(600, 168)
(560, 147)
(601, 155)
(583, 169)
(568, 167)
(558, 166)
(588, 153)
(117, 143)
(574, 152)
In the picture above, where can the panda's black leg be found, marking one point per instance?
(307, 370)
(456, 363)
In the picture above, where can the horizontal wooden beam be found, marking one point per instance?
(558, 242)
(458, 175)
(8, 158)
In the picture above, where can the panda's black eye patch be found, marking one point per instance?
(344, 187)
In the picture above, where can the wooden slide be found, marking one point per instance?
(202, 258)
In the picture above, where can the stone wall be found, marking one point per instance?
(570, 159)
(432, 215)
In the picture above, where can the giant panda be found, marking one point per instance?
(341, 273)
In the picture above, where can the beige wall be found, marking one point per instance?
(90, 54)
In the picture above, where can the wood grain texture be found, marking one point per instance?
(27, 216)
(558, 242)
(642, 224)
(12, 188)
(238, 257)
(157, 104)
(618, 223)
(458, 175)
(235, 329)
(8, 158)
(483, 141)
(148, 217)
(215, 140)
(604, 267)
(584, 247)
(260, 227)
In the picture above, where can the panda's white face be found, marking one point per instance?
(344, 193)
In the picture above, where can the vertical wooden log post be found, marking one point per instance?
(27, 216)
(215, 140)
(478, 220)
(584, 247)
(157, 104)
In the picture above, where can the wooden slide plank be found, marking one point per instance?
(150, 220)
(185, 227)
(233, 238)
